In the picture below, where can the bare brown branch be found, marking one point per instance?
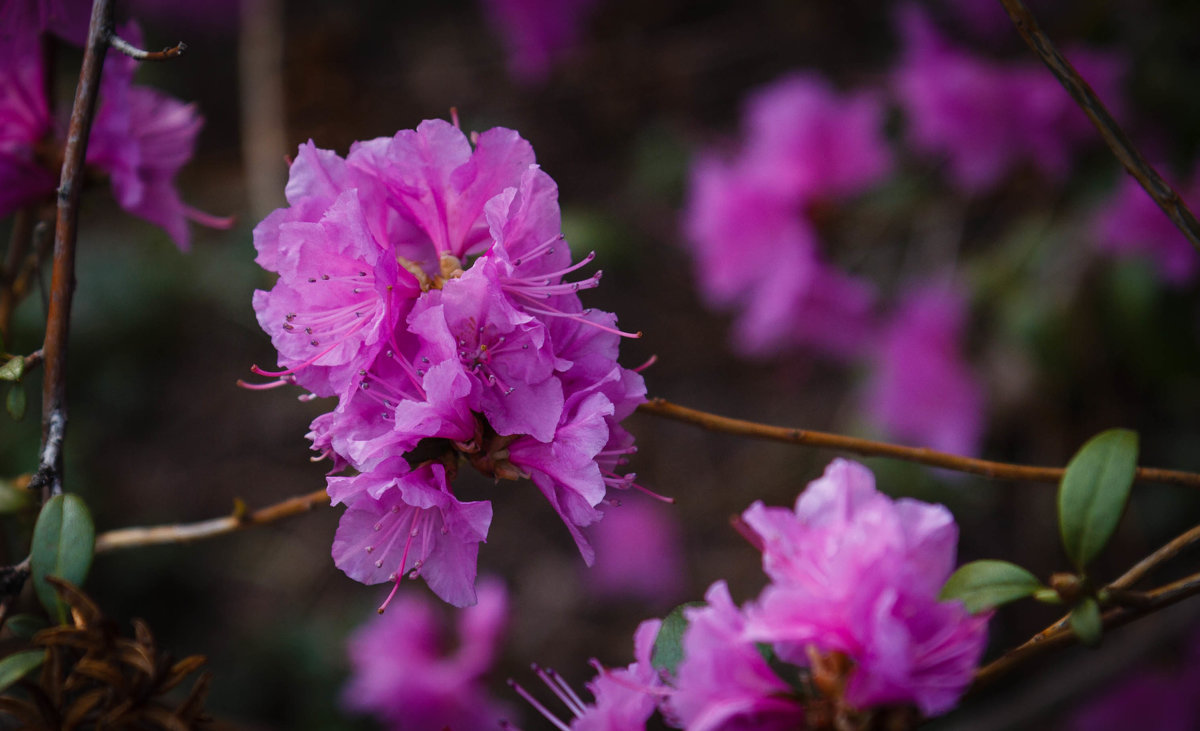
(186, 532)
(1158, 189)
(133, 51)
(869, 448)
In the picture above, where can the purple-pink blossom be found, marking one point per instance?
(856, 573)
(425, 284)
(1130, 224)
(140, 137)
(921, 389)
(537, 32)
(408, 673)
(987, 118)
(747, 223)
(624, 698)
(639, 553)
(724, 683)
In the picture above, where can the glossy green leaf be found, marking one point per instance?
(13, 369)
(64, 540)
(1094, 492)
(25, 626)
(18, 665)
(15, 403)
(1086, 621)
(668, 646)
(985, 584)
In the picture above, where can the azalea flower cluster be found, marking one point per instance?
(410, 674)
(424, 282)
(140, 137)
(850, 622)
(752, 217)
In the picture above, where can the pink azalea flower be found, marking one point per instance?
(961, 107)
(401, 522)
(67, 19)
(625, 698)
(537, 32)
(24, 114)
(755, 246)
(142, 138)
(638, 554)
(405, 673)
(424, 283)
(1130, 224)
(855, 573)
(723, 682)
(921, 390)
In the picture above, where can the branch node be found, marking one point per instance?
(134, 52)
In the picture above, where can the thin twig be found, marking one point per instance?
(183, 533)
(134, 52)
(62, 280)
(1162, 555)
(14, 258)
(1060, 634)
(867, 447)
(1158, 189)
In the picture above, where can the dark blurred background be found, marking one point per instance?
(1067, 344)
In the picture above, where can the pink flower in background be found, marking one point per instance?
(962, 107)
(723, 681)
(407, 673)
(67, 19)
(24, 117)
(1149, 698)
(1130, 224)
(424, 282)
(625, 698)
(856, 573)
(537, 32)
(142, 139)
(921, 390)
(638, 553)
(746, 222)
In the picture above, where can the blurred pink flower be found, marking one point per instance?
(1148, 698)
(1130, 224)
(142, 139)
(67, 19)
(537, 32)
(638, 553)
(921, 390)
(857, 573)
(24, 116)
(404, 672)
(723, 682)
(624, 697)
(988, 118)
(747, 219)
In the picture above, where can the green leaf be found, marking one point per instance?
(25, 626)
(1094, 492)
(668, 646)
(13, 369)
(985, 584)
(18, 665)
(63, 543)
(15, 403)
(1086, 621)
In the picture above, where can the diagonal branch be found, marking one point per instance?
(1060, 634)
(1158, 189)
(186, 532)
(869, 448)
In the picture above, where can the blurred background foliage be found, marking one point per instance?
(1068, 343)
